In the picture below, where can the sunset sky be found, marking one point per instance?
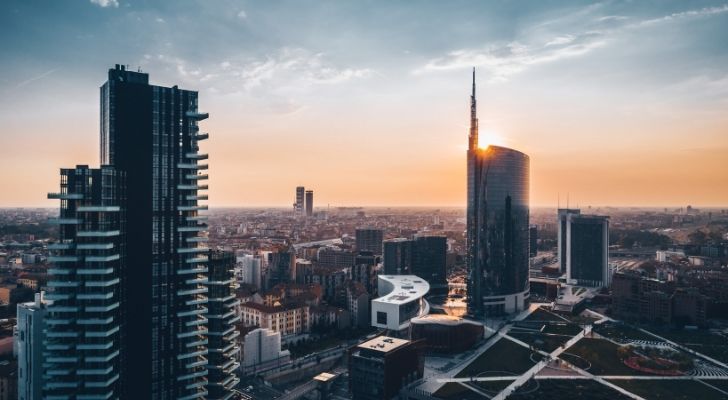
(616, 102)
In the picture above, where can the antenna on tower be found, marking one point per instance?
(473, 136)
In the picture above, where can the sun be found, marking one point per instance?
(489, 137)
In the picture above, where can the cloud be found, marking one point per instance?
(160, 20)
(296, 64)
(242, 14)
(506, 59)
(106, 3)
(35, 78)
(703, 12)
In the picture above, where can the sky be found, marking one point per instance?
(618, 103)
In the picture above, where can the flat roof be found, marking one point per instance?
(406, 288)
(383, 344)
(324, 377)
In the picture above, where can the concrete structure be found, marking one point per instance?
(29, 344)
(587, 250)
(262, 351)
(446, 333)
(401, 299)
(497, 226)
(561, 215)
(380, 367)
(251, 270)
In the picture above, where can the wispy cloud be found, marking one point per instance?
(35, 78)
(242, 14)
(106, 3)
(506, 59)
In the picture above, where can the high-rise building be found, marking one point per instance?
(369, 239)
(423, 255)
(298, 206)
(29, 343)
(251, 270)
(309, 203)
(587, 250)
(281, 267)
(562, 214)
(380, 367)
(533, 240)
(497, 225)
(85, 339)
(222, 365)
(150, 133)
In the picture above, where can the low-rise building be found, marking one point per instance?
(380, 367)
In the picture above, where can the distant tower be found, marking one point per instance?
(309, 203)
(497, 226)
(562, 215)
(298, 205)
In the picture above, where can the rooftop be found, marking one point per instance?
(401, 289)
(383, 344)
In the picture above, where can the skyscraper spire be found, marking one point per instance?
(473, 136)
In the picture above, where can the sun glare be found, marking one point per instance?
(489, 137)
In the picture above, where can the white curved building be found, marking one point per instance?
(402, 298)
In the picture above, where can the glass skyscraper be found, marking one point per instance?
(497, 226)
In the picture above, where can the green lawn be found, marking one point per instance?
(621, 332)
(670, 389)
(504, 355)
(543, 315)
(602, 354)
(570, 389)
(547, 343)
(711, 344)
(456, 391)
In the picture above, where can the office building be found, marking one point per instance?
(222, 349)
(497, 226)
(262, 351)
(380, 367)
(587, 250)
(298, 206)
(29, 344)
(424, 256)
(281, 267)
(562, 214)
(309, 203)
(369, 239)
(401, 299)
(251, 270)
(83, 348)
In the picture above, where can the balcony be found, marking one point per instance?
(199, 270)
(196, 197)
(196, 228)
(193, 250)
(196, 115)
(202, 136)
(191, 166)
(65, 196)
(196, 177)
(98, 209)
(64, 221)
(192, 208)
(197, 156)
(98, 233)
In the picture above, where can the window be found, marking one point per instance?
(381, 318)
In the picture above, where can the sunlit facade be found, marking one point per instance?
(497, 226)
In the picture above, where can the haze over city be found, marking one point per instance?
(617, 103)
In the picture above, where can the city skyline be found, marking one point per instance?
(617, 104)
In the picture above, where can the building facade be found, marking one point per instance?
(287, 319)
(587, 250)
(222, 366)
(497, 226)
(401, 299)
(380, 367)
(369, 239)
(83, 345)
(29, 344)
(309, 203)
(562, 215)
(298, 206)
(151, 134)
(423, 255)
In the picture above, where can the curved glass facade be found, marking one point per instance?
(498, 211)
